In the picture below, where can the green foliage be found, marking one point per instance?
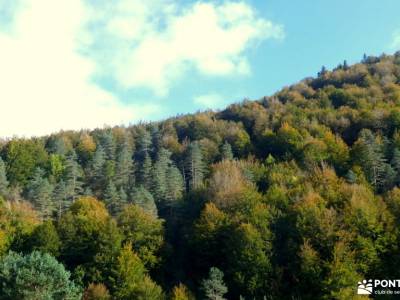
(23, 157)
(73, 177)
(3, 180)
(214, 287)
(124, 167)
(144, 231)
(131, 279)
(195, 165)
(96, 168)
(35, 276)
(44, 238)
(90, 238)
(143, 198)
(226, 151)
(17, 221)
(112, 199)
(40, 192)
(145, 172)
(292, 196)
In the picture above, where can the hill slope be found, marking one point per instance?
(294, 195)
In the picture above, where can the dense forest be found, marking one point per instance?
(293, 196)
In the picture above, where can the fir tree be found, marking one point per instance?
(174, 182)
(123, 197)
(3, 180)
(124, 167)
(270, 160)
(351, 177)
(227, 153)
(345, 65)
(61, 199)
(40, 192)
(214, 287)
(73, 177)
(143, 144)
(195, 166)
(159, 175)
(371, 158)
(56, 145)
(145, 200)
(112, 199)
(108, 143)
(144, 173)
(322, 72)
(156, 138)
(395, 162)
(96, 169)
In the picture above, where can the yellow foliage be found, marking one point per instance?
(181, 292)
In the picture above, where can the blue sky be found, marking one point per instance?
(89, 63)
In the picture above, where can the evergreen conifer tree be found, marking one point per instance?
(145, 200)
(3, 180)
(40, 191)
(214, 287)
(124, 167)
(112, 199)
(194, 166)
(227, 153)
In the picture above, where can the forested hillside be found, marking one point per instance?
(294, 196)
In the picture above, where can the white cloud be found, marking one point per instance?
(158, 43)
(52, 49)
(45, 84)
(396, 40)
(211, 100)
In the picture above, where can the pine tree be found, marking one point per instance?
(395, 162)
(56, 145)
(73, 177)
(108, 143)
(175, 185)
(40, 191)
(144, 144)
(144, 173)
(145, 200)
(159, 175)
(371, 158)
(351, 177)
(345, 65)
(156, 138)
(61, 199)
(124, 167)
(112, 199)
(96, 169)
(214, 287)
(227, 153)
(36, 276)
(195, 166)
(123, 197)
(3, 180)
(270, 160)
(322, 72)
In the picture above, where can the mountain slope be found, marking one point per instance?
(294, 195)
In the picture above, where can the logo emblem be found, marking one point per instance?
(365, 287)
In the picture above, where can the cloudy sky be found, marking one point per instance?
(89, 63)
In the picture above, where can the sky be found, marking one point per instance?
(83, 64)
